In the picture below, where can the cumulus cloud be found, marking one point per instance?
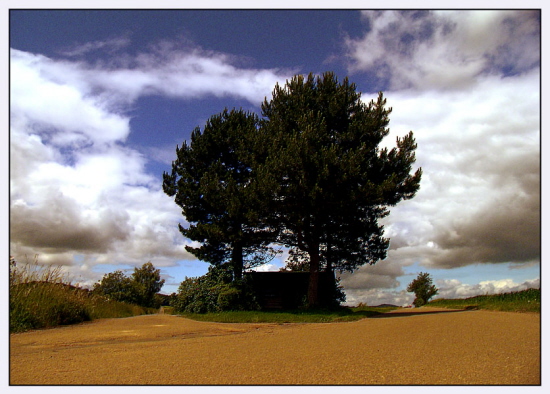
(468, 85)
(447, 288)
(60, 225)
(76, 189)
(479, 200)
(455, 289)
(167, 68)
(101, 205)
(373, 277)
(45, 99)
(444, 49)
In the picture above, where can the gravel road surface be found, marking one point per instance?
(404, 348)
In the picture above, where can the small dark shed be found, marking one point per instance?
(288, 289)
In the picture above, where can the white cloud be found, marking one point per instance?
(445, 49)
(468, 85)
(447, 288)
(75, 188)
(266, 268)
(479, 197)
(453, 288)
(61, 112)
(172, 70)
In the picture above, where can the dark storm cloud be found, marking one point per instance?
(506, 231)
(60, 226)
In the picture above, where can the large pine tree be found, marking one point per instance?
(213, 182)
(333, 181)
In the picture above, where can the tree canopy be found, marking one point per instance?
(213, 182)
(423, 289)
(140, 288)
(146, 282)
(333, 181)
(308, 175)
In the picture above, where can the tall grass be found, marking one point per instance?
(519, 301)
(42, 296)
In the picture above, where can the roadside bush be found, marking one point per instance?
(229, 298)
(41, 296)
(140, 288)
(213, 292)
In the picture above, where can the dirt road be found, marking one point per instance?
(469, 347)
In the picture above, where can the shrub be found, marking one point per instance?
(140, 288)
(40, 296)
(213, 292)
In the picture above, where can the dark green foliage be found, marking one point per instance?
(139, 289)
(308, 175)
(146, 284)
(332, 182)
(117, 287)
(213, 181)
(423, 289)
(213, 292)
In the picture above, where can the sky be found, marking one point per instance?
(99, 99)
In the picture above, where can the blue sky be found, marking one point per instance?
(99, 99)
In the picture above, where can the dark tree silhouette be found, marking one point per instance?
(333, 182)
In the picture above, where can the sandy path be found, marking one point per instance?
(471, 347)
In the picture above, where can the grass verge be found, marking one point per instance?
(289, 316)
(41, 297)
(519, 301)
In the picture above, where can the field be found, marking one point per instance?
(520, 301)
(423, 346)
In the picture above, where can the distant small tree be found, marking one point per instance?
(423, 289)
(116, 286)
(141, 288)
(147, 283)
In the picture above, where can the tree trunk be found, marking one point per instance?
(237, 261)
(313, 287)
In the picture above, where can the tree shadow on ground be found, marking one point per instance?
(401, 313)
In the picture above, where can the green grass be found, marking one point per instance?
(292, 316)
(520, 301)
(42, 297)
